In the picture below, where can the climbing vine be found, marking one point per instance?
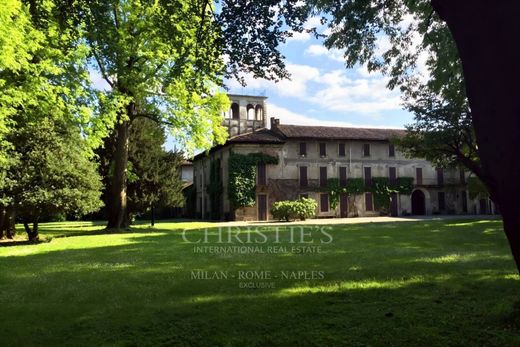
(380, 188)
(242, 177)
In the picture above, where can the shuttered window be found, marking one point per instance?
(391, 150)
(418, 175)
(366, 150)
(368, 202)
(303, 148)
(323, 176)
(342, 176)
(341, 149)
(324, 202)
(440, 176)
(323, 149)
(392, 175)
(303, 176)
(368, 176)
(261, 174)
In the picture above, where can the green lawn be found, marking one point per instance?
(408, 283)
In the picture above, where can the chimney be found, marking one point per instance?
(274, 123)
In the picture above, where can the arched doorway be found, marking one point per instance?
(418, 203)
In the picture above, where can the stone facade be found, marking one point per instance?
(439, 192)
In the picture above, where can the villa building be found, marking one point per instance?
(307, 157)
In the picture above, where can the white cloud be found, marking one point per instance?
(337, 90)
(289, 117)
(312, 22)
(320, 50)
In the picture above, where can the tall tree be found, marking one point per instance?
(465, 39)
(154, 179)
(161, 62)
(53, 173)
(442, 133)
(42, 78)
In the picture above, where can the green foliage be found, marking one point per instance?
(442, 132)
(52, 174)
(302, 208)
(155, 172)
(242, 177)
(476, 188)
(403, 185)
(305, 208)
(380, 188)
(355, 186)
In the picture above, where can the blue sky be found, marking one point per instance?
(322, 91)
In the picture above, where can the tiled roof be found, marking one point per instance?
(338, 133)
(259, 136)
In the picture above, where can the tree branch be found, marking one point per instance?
(102, 68)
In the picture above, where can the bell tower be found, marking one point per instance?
(246, 115)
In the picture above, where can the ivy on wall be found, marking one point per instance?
(242, 177)
(380, 188)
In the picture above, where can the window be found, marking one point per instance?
(303, 176)
(392, 175)
(250, 112)
(304, 195)
(324, 202)
(440, 176)
(368, 202)
(442, 201)
(391, 150)
(323, 176)
(418, 175)
(342, 176)
(323, 149)
(261, 175)
(368, 176)
(341, 149)
(462, 176)
(259, 110)
(235, 111)
(366, 150)
(303, 148)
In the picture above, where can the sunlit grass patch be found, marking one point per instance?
(428, 283)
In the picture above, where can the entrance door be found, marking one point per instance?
(262, 206)
(418, 203)
(343, 205)
(393, 204)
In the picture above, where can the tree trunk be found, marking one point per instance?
(7, 222)
(32, 234)
(117, 209)
(3, 214)
(485, 33)
(152, 212)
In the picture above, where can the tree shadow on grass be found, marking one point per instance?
(375, 292)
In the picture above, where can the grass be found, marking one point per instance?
(435, 283)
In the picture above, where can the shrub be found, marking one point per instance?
(305, 208)
(281, 210)
(286, 210)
